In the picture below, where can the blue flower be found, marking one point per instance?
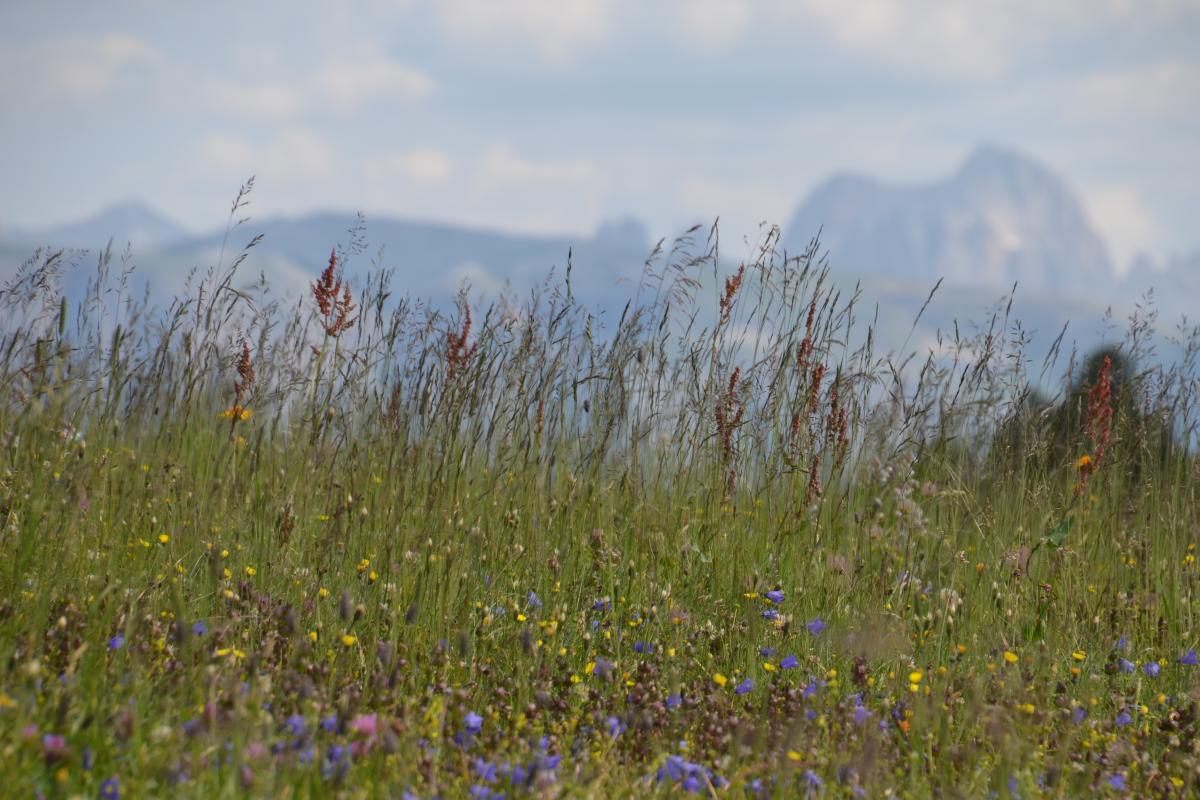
(1079, 715)
(1124, 718)
(791, 662)
(770, 614)
(815, 626)
(329, 724)
(1117, 782)
(116, 642)
(766, 652)
(674, 701)
(1189, 659)
(745, 687)
(775, 596)
(603, 604)
(472, 722)
(110, 789)
(1152, 668)
(1126, 665)
(533, 600)
(485, 770)
(199, 628)
(295, 724)
(615, 726)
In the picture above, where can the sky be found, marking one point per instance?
(551, 116)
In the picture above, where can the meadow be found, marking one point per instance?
(723, 543)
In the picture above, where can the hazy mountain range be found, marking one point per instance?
(1001, 218)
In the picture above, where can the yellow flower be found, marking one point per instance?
(768, 666)
(349, 640)
(1079, 655)
(235, 411)
(251, 572)
(1011, 657)
(1027, 708)
(322, 593)
(915, 676)
(312, 635)
(719, 679)
(793, 755)
(1083, 462)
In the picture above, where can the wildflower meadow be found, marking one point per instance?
(719, 542)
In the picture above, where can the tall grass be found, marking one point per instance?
(235, 517)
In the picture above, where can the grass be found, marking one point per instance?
(260, 547)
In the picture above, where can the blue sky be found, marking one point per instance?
(553, 115)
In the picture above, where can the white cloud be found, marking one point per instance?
(952, 40)
(714, 23)
(501, 164)
(296, 154)
(351, 84)
(1165, 89)
(264, 100)
(555, 28)
(1123, 220)
(75, 67)
(343, 85)
(427, 165)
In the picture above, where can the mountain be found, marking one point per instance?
(1173, 286)
(1002, 217)
(131, 222)
(431, 261)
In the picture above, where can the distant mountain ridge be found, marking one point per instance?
(1001, 218)
(130, 222)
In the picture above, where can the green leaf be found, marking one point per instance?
(1058, 534)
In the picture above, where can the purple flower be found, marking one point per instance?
(674, 701)
(603, 667)
(1189, 659)
(770, 614)
(791, 662)
(643, 647)
(54, 747)
(1152, 668)
(110, 789)
(766, 652)
(116, 642)
(329, 724)
(533, 600)
(615, 726)
(295, 724)
(1117, 782)
(745, 687)
(815, 626)
(812, 779)
(1121, 644)
(472, 722)
(861, 714)
(199, 628)
(1124, 718)
(775, 596)
(1126, 665)
(1079, 715)
(603, 604)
